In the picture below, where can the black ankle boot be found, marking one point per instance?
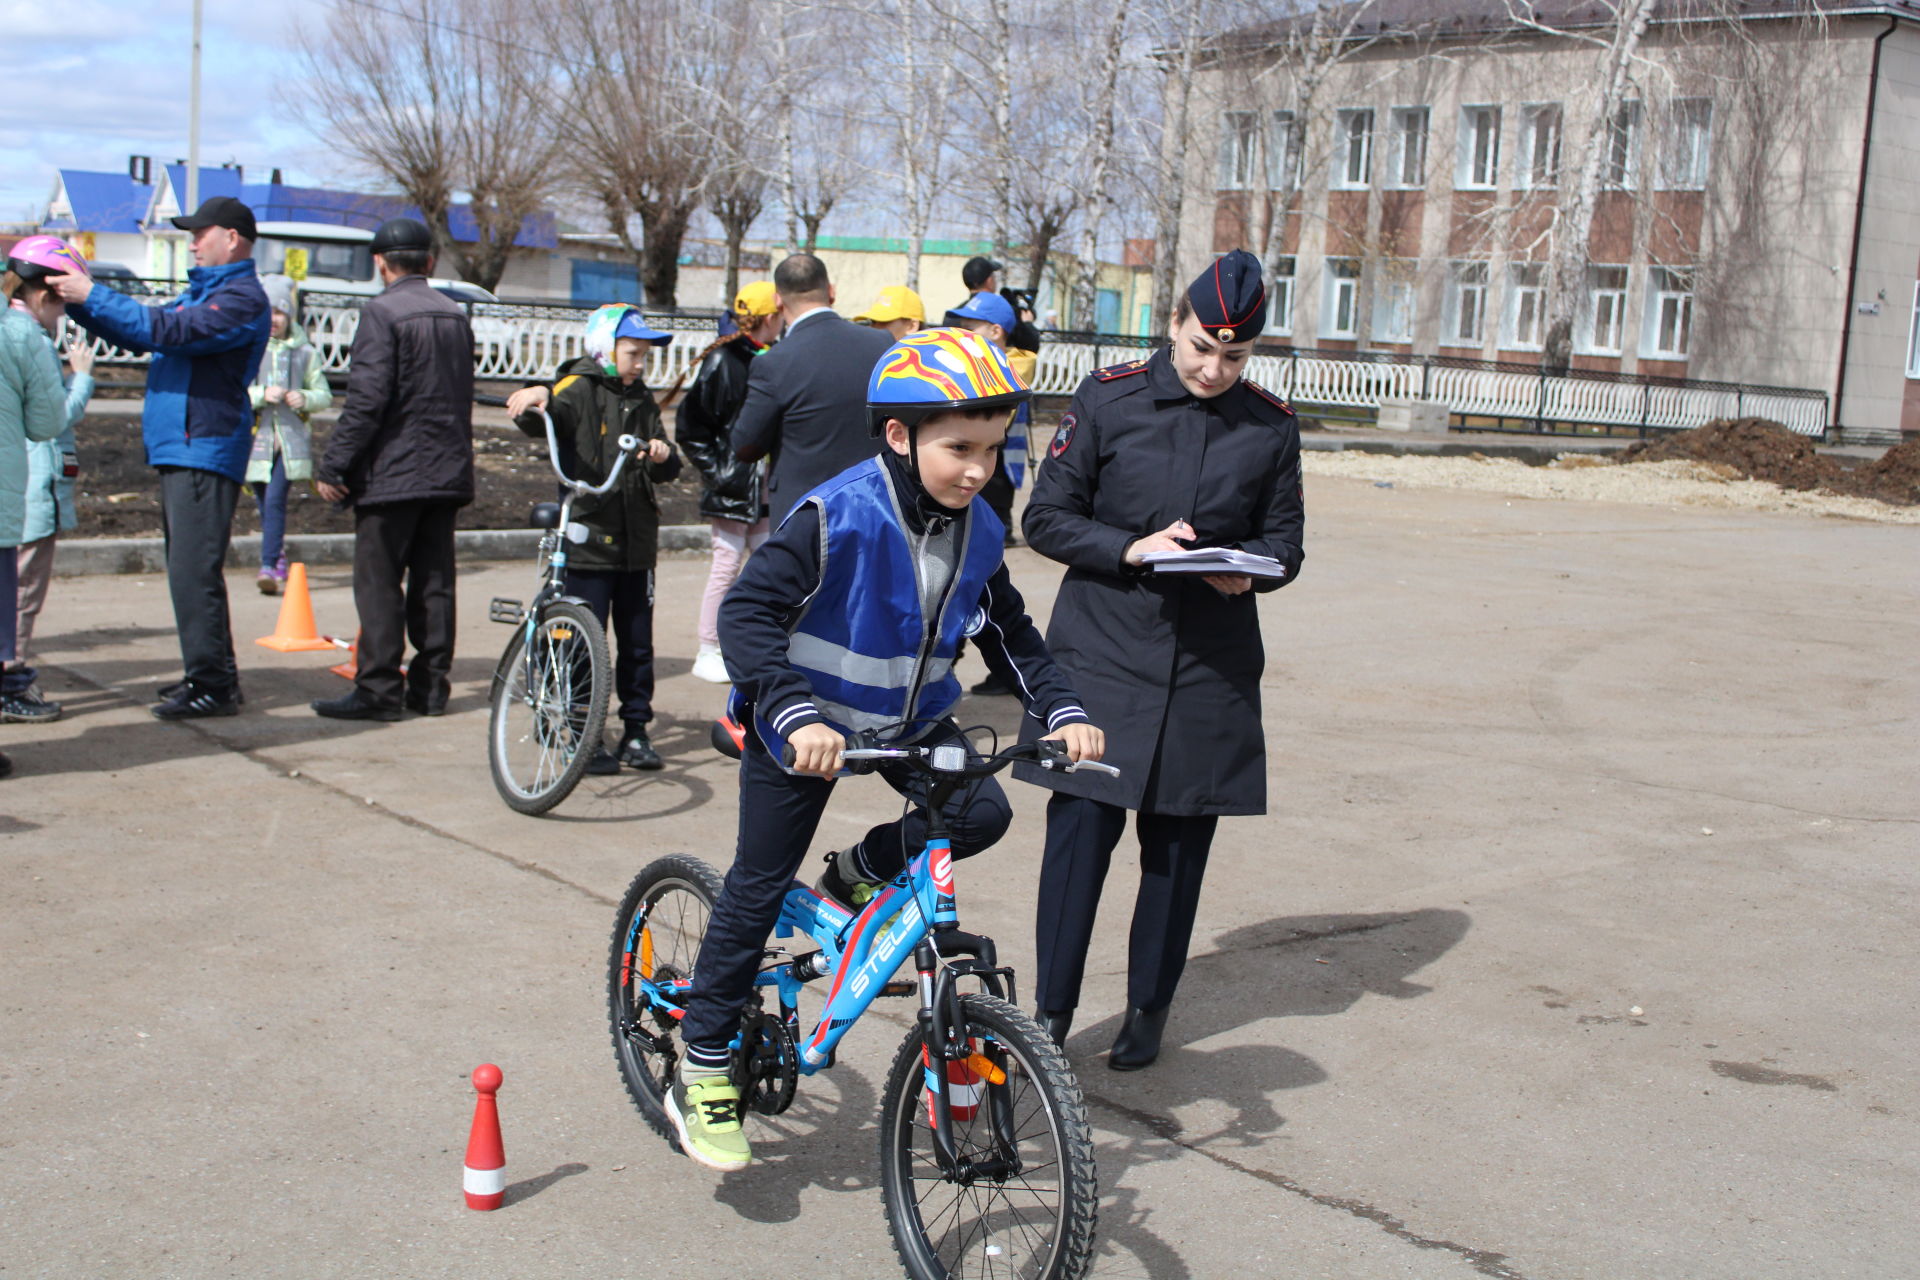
(1138, 1043)
(1057, 1025)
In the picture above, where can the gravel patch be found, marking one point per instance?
(1580, 477)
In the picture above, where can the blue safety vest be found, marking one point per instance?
(862, 641)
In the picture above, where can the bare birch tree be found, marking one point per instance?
(922, 125)
(1181, 23)
(1100, 154)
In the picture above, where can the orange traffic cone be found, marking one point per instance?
(295, 632)
(350, 669)
(486, 1177)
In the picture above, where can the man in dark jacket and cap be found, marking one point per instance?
(1172, 452)
(402, 456)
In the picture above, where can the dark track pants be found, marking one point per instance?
(778, 815)
(196, 511)
(403, 590)
(1081, 836)
(623, 602)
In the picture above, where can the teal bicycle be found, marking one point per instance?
(986, 1155)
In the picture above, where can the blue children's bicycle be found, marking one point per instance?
(986, 1157)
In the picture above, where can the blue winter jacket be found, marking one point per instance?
(206, 345)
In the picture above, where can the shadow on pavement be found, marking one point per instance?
(528, 1188)
(820, 1141)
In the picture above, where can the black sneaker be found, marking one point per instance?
(353, 707)
(192, 701)
(604, 763)
(28, 706)
(168, 692)
(636, 752)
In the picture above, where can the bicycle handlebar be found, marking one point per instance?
(628, 444)
(956, 760)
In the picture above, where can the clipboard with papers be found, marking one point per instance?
(1214, 560)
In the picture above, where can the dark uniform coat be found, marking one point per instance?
(1168, 666)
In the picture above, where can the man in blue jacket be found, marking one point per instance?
(197, 421)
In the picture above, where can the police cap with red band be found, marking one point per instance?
(1229, 298)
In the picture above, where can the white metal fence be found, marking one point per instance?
(514, 342)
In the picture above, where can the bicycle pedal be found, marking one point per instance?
(900, 989)
(500, 609)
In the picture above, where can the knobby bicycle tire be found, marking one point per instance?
(542, 726)
(678, 893)
(1035, 1225)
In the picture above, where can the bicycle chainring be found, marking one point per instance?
(772, 1062)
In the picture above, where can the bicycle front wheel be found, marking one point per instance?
(1032, 1216)
(549, 705)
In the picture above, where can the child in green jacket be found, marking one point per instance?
(289, 389)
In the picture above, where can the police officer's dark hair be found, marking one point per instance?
(409, 262)
(1181, 310)
(801, 276)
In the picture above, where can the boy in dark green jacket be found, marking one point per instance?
(599, 398)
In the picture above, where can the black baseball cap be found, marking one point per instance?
(401, 233)
(220, 211)
(975, 273)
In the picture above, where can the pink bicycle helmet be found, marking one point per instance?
(38, 256)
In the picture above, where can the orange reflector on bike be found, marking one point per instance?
(984, 1068)
(563, 633)
(646, 954)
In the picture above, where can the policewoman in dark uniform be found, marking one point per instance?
(1177, 450)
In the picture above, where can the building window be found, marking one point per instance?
(1239, 136)
(1280, 299)
(1393, 301)
(1353, 150)
(1623, 147)
(1408, 161)
(1525, 316)
(1669, 322)
(1683, 148)
(1478, 162)
(1340, 303)
(1283, 152)
(1603, 319)
(1539, 146)
(1464, 324)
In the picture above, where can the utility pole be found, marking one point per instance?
(193, 119)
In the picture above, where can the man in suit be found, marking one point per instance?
(806, 400)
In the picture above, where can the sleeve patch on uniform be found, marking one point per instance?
(1064, 436)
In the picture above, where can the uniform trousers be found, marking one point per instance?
(778, 815)
(403, 589)
(623, 602)
(1081, 836)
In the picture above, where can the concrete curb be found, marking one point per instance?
(81, 556)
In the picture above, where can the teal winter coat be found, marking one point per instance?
(33, 406)
(51, 466)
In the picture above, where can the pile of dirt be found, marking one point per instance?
(119, 496)
(1758, 449)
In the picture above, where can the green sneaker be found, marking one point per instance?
(851, 894)
(705, 1106)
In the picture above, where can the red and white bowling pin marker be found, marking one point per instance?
(486, 1177)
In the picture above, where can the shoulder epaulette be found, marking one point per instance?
(1267, 395)
(1126, 369)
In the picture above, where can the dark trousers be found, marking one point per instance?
(778, 815)
(623, 601)
(403, 590)
(1081, 835)
(196, 513)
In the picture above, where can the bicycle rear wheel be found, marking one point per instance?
(1036, 1222)
(656, 937)
(549, 705)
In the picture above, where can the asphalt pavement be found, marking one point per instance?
(1580, 941)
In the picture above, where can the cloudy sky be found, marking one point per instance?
(91, 82)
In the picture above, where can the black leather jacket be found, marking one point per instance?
(734, 490)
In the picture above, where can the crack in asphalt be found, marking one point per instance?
(257, 756)
(1485, 1261)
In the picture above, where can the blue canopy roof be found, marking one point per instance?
(110, 202)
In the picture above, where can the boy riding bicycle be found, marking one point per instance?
(848, 619)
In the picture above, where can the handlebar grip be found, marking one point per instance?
(787, 756)
(628, 443)
(494, 402)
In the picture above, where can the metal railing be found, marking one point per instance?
(522, 341)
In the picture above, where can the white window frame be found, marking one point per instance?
(1620, 170)
(1592, 331)
(1409, 129)
(1523, 319)
(1239, 149)
(1353, 149)
(1669, 294)
(1393, 301)
(1339, 276)
(1283, 151)
(1685, 145)
(1465, 277)
(1913, 336)
(1527, 174)
(1477, 167)
(1280, 294)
